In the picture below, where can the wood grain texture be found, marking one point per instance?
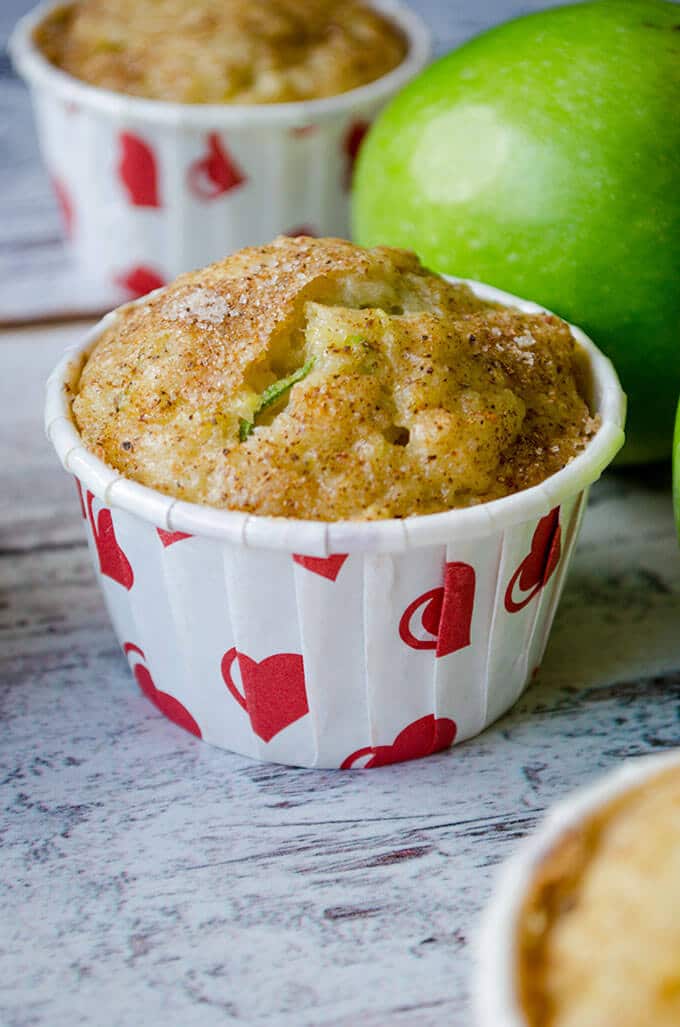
(148, 878)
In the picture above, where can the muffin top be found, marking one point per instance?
(222, 51)
(600, 932)
(311, 378)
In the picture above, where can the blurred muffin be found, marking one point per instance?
(222, 51)
(312, 378)
(599, 931)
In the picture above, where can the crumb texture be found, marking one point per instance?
(222, 51)
(312, 378)
(600, 933)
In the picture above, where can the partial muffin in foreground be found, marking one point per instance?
(222, 51)
(311, 378)
(599, 935)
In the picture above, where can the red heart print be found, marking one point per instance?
(65, 205)
(169, 706)
(275, 693)
(137, 170)
(352, 145)
(445, 613)
(112, 560)
(327, 566)
(140, 280)
(168, 538)
(216, 173)
(421, 738)
(538, 566)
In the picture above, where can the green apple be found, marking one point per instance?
(544, 157)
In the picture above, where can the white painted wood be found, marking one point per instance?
(148, 878)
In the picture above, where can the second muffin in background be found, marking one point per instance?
(599, 937)
(223, 51)
(582, 928)
(197, 134)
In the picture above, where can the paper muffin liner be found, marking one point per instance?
(496, 998)
(333, 644)
(149, 189)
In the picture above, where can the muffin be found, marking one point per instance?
(317, 486)
(222, 51)
(174, 133)
(314, 379)
(599, 938)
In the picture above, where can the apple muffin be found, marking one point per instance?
(312, 378)
(222, 51)
(599, 931)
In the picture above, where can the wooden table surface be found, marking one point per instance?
(147, 878)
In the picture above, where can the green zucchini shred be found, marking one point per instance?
(273, 393)
(245, 429)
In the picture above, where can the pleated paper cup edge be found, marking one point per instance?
(321, 538)
(38, 72)
(193, 683)
(495, 997)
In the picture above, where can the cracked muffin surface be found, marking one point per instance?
(599, 935)
(222, 51)
(311, 378)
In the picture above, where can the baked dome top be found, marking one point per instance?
(222, 51)
(311, 378)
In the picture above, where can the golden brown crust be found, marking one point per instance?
(222, 51)
(599, 941)
(414, 396)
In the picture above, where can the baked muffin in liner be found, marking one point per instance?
(149, 188)
(333, 644)
(497, 986)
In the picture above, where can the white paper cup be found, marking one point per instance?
(342, 644)
(496, 997)
(149, 189)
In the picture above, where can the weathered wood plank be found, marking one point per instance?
(36, 496)
(149, 878)
(148, 870)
